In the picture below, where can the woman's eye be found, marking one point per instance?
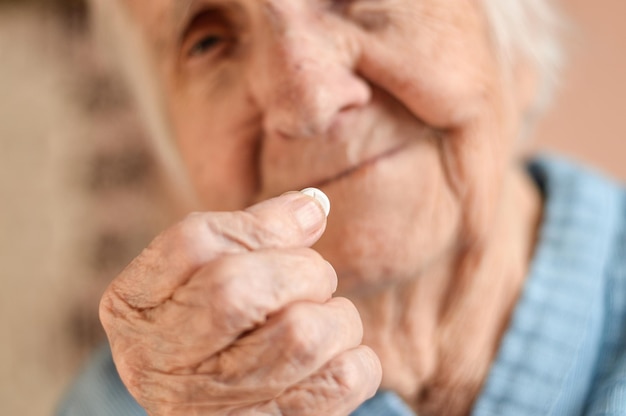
(209, 34)
(206, 45)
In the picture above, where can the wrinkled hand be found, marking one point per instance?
(232, 313)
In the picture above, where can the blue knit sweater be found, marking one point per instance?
(564, 352)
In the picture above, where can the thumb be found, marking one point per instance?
(291, 220)
(295, 219)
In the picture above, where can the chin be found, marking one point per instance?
(389, 222)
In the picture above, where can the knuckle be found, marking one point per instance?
(199, 232)
(348, 373)
(254, 226)
(225, 286)
(322, 276)
(113, 309)
(357, 373)
(251, 232)
(269, 230)
(302, 336)
(228, 294)
(347, 306)
(351, 316)
(231, 232)
(187, 231)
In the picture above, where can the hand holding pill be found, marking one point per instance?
(233, 312)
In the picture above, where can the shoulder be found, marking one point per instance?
(586, 205)
(571, 313)
(98, 391)
(609, 396)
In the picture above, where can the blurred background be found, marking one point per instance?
(81, 193)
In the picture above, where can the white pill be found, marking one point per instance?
(320, 196)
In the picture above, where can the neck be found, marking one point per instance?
(437, 335)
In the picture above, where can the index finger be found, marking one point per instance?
(291, 220)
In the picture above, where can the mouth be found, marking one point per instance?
(361, 166)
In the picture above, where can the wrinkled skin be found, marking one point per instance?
(401, 112)
(231, 313)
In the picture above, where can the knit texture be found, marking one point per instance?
(558, 356)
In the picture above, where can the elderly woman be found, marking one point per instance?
(448, 279)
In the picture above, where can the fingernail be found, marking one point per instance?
(310, 214)
(320, 197)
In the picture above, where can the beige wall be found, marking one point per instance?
(79, 198)
(588, 121)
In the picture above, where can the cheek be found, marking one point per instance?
(478, 159)
(436, 58)
(219, 146)
(445, 71)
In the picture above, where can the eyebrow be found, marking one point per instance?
(183, 9)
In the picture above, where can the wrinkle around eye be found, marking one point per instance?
(371, 15)
(210, 33)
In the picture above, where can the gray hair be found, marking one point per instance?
(530, 30)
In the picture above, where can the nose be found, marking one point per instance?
(305, 78)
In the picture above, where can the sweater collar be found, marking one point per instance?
(547, 356)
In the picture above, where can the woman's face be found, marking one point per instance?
(398, 109)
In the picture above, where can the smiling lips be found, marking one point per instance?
(363, 165)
